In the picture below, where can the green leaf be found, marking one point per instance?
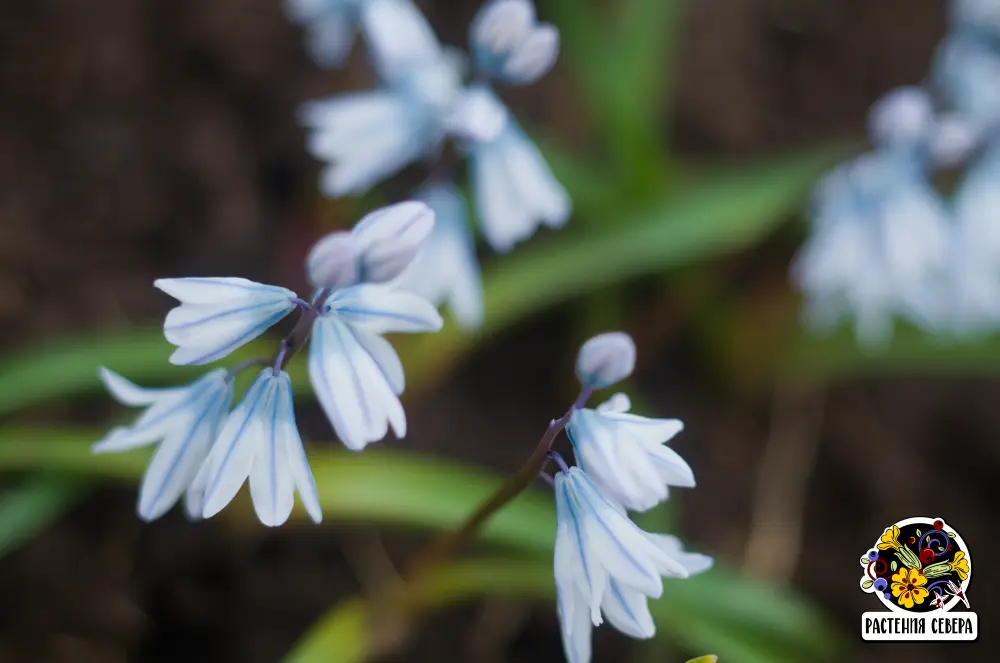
(716, 214)
(867, 584)
(910, 352)
(710, 658)
(26, 509)
(893, 565)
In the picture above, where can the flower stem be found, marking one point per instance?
(446, 545)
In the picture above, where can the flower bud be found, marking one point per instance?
(332, 261)
(904, 116)
(605, 359)
(387, 240)
(508, 43)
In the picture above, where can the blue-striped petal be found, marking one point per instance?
(218, 315)
(351, 387)
(382, 309)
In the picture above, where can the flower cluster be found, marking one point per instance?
(605, 565)
(424, 101)
(205, 450)
(884, 240)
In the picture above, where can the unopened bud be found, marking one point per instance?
(332, 261)
(605, 359)
(387, 240)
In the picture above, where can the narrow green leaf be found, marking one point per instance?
(26, 509)
(710, 658)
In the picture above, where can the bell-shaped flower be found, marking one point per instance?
(330, 26)
(513, 188)
(387, 240)
(509, 44)
(626, 455)
(446, 270)
(333, 261)
(260, 442)
(605, 359)
(218, 315)
(880, 242)
(966, 70)
(605, 565)
(355, 373)
(183, 421)
(973, 286)
(369, 136)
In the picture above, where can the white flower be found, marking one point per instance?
(879, 245)
(973, 292)
(446, 270)
(330, 27)
(605, 359)
(509, 44)
(399, 37)
(513, 187)
(604, 564)
(260, 441)
(356, 373)
(183, 420)
(903, 116)
(218, 315)
(387, 240)
(966, 69)
(333, 261)
(625, 454)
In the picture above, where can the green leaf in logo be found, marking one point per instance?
(893, 565)
(867, 584)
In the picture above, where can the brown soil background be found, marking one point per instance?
(151, 138)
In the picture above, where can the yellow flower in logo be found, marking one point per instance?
(960, 565)
(890, 539)
(908, 587)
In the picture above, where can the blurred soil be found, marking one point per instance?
(143, 139)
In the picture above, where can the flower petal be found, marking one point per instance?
(533, 57)
(298, 465)
(271, 484)
(398, 36)
(692, 562)
(239, 441)
(128, 393)
(351, 387)
(385, 356)
(628, 611)
(382, 309)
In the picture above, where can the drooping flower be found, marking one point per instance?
(514, 189)
(368, 136)
(625, 455)
(446, 270)
(330, 26)
(605, 565)
(510, 45)
(879, 246)
(960, 565)
(218, 315)
(908, 587)
(889, 539)
(605, 359)
(260, 442)
(356, 374)
(182, 421)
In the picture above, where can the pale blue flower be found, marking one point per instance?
(879, 246)
(510, 45)
(218, 315)
(446, 270)
(183, 421)
(605, 359)
(902, 118)
(330, 27)
(388, 239)
(399, 38)
(604, 564)
(356, 374)
(260, 442)
(625, 454)
(513, 188)
(974, 293)
(966, 69)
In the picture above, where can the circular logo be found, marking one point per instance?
(918, 565)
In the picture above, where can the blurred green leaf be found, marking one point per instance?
(709, 658)
(719, 212)
(911, 351)
(718, 610)
(384, 485)
(31, 506)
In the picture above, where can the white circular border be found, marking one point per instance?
(892, 605)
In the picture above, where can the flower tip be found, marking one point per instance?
(605, 359)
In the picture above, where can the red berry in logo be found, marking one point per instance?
(938, 524)
(927, 556)
(912, 540)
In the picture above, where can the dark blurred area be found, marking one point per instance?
(152, 138)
